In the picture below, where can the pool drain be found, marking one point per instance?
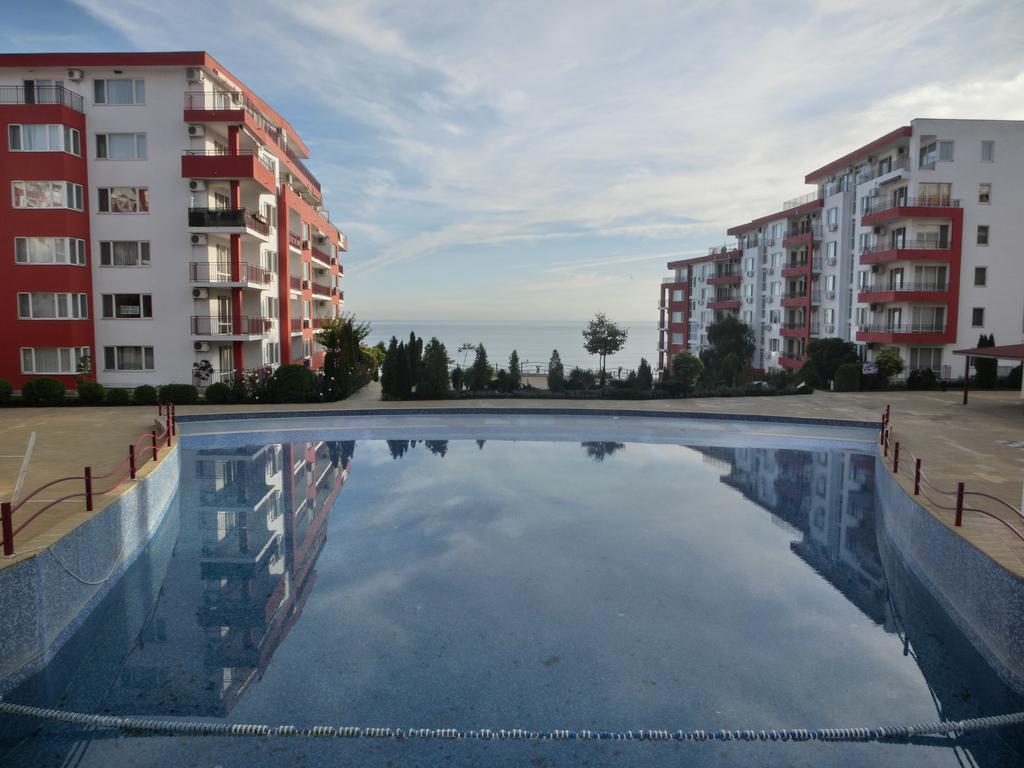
(141, 725)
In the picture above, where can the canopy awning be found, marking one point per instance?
(1007, 352)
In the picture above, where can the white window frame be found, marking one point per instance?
(68, 139)
(990, 145)
(73, 255)
(75, 355)
(117, 357)
(142, 254)
(76, 305)
(139, 150)
(71, 192)
(101, 92)
(137, 196)
(109, 301)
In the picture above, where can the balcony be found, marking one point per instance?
(297, 324)
(795, 298)
(797, 329)
(322, 289)
(881, 293)
(296, 283)
(243, 328)
(901, 164)
(228, 218)
(41, 94)
(322, 256)
(791, 360)
(914, 250)
(801, 235)
(236, 107)
(227, 165)
(794, 267)
(932, 206)
(219, 274)
(295, 241)
(724, 303)
(911, 333)
(725, 278)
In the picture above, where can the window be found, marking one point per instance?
(831, 251)
(127, 306)
(985, 193)
(980, 275)
(925, 357)
(978, 317)
(52, 359)
(47, 194)
(44, 138)
(124, 253)
(119, 91)
(983, 234)
(677, 338)
(862, 317)
(52, 306)
(123, 200)
(221, 201)
(830, 284)
(988, 151)
(121, 146)
(677, 294)
(945, 151)
(128, 358)
(273, 308)
(49, 250)
(773, 345)
(677, 317)
(832, 217)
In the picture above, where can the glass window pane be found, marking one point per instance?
(120, 92)
(109, 358)
(121, 146)
(45, 304)
(26, 360)
(140, 91)
(24, 305)
(99, 91)
(140, 146)
(46, 360)
(65, 360)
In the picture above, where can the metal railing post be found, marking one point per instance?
(167, 432)
(173, 421)
(131, 461)
(885, 444)
(959, 505)
(896, 459)
(152, 435)
(7, 525)
(88, 489)
(917, 477)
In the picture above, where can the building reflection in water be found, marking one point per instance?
(253, 522)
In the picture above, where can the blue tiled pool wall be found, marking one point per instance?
(984, 599)
(44, 605)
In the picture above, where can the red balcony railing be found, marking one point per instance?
(296, 324)
(322, 289)
(214, 325)
(322, 256)
(294, 240)
(295, 283)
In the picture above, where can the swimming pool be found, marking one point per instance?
(468, 577)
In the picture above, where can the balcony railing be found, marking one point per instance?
(321, 289)
(210, 101)
(228, 217)
(295, 283)
(798, 294)
(901, 164)
(214, 325)
(805, 229)
(295, 240)
(903, 328)
(810, 197)
(41, 94)
(928, 201)
(908, 245)
(296, 325)
(321, 256)
(220, 272)
(225, 152)
(905, 287)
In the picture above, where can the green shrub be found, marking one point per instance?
(218, 393)
(848, 377)
(1012, 379)
(144, 395)
(91, 393)
(293, 384)
(6, 390)
(922, 378)
(179, 394)
(43, 391)
(118, 397)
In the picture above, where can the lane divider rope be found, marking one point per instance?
(131, 725)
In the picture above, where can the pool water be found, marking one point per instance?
(499, 584)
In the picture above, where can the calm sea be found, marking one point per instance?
(533, 340)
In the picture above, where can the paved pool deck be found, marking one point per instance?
(981, 444)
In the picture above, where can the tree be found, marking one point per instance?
(556, 373)
(644, 375)
(824, 356)
(686, 368)
(458, 377)
(986, 369)
(889, 364)
(415, 351)
(464, 349)
(602, 337)
(732, 348)
(340, 337)
(481, 373)
(514, 374)
(404, 381)
(389, 371)
(434, 382)
(599, 451)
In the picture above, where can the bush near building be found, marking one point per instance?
(293, 384)
(218, 393)
(118, 396)
(43, 391)
(91, 393)
(179, 394)
(6, 390)
(889, 364)
(144, 395)
(847, 378)
(922, 378)
(986, 369)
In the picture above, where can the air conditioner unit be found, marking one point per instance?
(194, 75)
(196, 185)
(750, 299)
(200, 293)
(771, 270)
(876, 268)
(878, 230)
(874, 307)
(197, 131)
(289, 179)
(321, 238)
(305, 245)
(305, 285)
(833, 227)
(831, 261)
(75, 75)
(201, 346)
(198, 238)
(306, 323)
(236, 98)
(830, 294)
(874, 192)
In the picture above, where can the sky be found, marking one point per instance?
(538, 160)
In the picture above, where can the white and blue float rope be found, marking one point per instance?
(138, 725)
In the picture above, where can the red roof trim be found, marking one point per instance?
(867, 149)
(687, 262)
(1008, 352)
(796, 211)
(148, 59)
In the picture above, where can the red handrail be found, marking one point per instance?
(918, 477)
(124, 469)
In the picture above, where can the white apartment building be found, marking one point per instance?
(906, 243)
(203, 235)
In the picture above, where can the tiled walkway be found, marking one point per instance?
(981, 444)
